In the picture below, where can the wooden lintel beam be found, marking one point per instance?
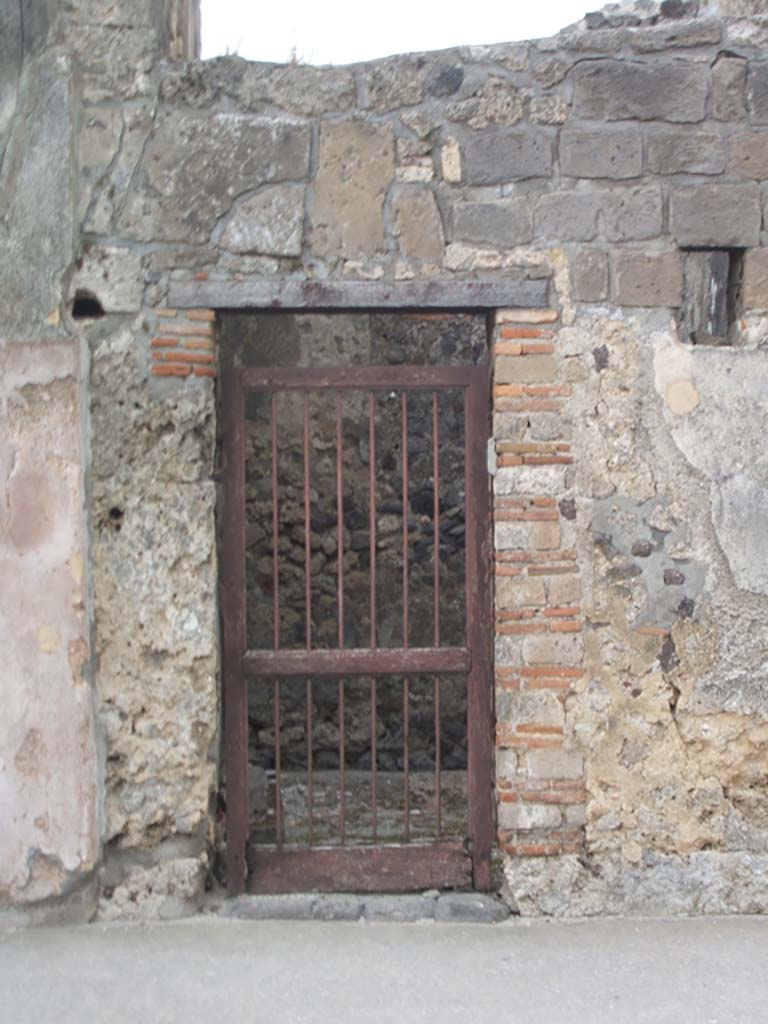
(267, 293)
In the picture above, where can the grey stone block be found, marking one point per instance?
(223, 155)
(337, 907)
(613, 90)
(287, 907)
(756, 279)
(676, 35)
(757, 92)
(548, 110)
(356, 162)
(503, 225)
(632, 214)
(749, 155)
(598, 40)
(11, 55)
(589, 276)
(298, 88)
(729, 81)
(716, 215)
(500, 155)
(653, 279)
(470, 907)
(601, 154)
(417, 224)
(38, 201)
(567, 216)
(445, 80)
(396, 82)
(110, 63)
(399, 908)
(681, 152)
(270, 222)
(548, 70)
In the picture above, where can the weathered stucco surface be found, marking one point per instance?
(672, 725)
(48, 780)
(154, 578)
(632, 465)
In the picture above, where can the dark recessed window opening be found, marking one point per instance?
(712, 295)
(86, 306)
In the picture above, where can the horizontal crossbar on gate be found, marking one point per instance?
(445, 864)
(376, 378)
(358, 662)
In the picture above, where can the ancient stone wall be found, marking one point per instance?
(49, 842)
(631, 583)
(56, 62)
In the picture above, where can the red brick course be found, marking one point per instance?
(184, 345)
(540, 606)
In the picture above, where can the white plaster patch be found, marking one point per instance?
(76, 567)
(536, 480)
(673, 372)
(190, 623)
(725, 442)
(48, 638)
(682, 397)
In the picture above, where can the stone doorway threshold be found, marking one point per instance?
(460, 907)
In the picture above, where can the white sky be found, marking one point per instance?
(344, 31)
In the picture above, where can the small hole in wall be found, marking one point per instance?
(116, 518)
(86, 306)
(111, 520)
(712, 295)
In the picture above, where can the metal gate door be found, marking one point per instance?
(412, 860)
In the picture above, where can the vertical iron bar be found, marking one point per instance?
(436, 515)
(276, 624)
(310, 765)
(233, 598)
(436, 519)
(406, 629)
(342, 766)
(307, 529)
(340, 545)
(340, 518)
(308, 613)
(372, 511)
(278, 794)
(372, 542)
(404, 454)
(479, 707)
(406, 763)
(275, 553)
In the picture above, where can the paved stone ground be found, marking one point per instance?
(707, 971)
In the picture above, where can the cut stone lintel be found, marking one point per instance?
(271, 293)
